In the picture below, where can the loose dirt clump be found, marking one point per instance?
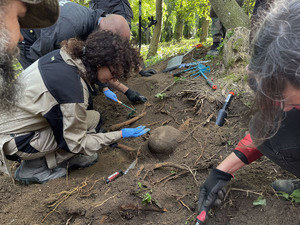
(161, 190)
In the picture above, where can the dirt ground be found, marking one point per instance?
(172, 182)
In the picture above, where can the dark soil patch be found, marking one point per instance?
(84, 198)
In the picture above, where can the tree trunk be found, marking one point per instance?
(204, 29)
(178, 31)
(230, 14)
(157, 30)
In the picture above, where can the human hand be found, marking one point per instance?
(134, 96)
(147, 73)
(134, 132)
(111, 95)
(212, 191)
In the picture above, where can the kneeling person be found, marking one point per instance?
(52, 124)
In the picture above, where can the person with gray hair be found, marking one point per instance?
(15, 14)
(274, 129)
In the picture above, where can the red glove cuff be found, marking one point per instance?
(246, 151)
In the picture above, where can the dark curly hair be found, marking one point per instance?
(103, 48)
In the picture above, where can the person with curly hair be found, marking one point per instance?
(51, 127)
(78, 21)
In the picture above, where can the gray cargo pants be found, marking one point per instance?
(41, 143)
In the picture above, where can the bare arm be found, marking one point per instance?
(231, 164)
(118, 86)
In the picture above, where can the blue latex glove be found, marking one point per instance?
(134, 132)
(111, 95)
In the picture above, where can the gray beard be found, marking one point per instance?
(8, 85)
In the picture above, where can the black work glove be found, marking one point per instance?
(134, 96)
(147, 73)
(211, 192)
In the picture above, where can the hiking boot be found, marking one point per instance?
(80, 161)
(214, 49)
(287, 186)
(37, 171)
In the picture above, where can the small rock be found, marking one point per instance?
(163, 140)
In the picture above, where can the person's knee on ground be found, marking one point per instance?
(37, 171)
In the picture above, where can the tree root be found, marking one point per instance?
(126, 123)
(134, 207)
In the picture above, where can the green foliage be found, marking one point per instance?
(260, 201)
(161, 95)
(209, 57)
(82, 2)
(177, 79)
(169, 49)
(173, 172)
(147, 198)
(294, 197)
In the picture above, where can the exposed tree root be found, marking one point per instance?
(126, 123)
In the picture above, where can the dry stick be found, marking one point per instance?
(152, 124)
(192, 174)
(188, 208)
(126, 123)
(67, 223)
(105, 201)
(168, 164)
(166, 177)
(247, 191)
(166, 122)
(202, 150)
(175, 177)
(164, 164)
(132, 207)
(83, 184)
(140, 170)
(125, 147)
(201, 124)
(167, 87)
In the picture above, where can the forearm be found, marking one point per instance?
(231, 164)
(118, 86)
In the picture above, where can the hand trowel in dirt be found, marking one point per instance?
(175, 62)
(120, 173)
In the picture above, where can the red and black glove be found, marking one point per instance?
(212, 191)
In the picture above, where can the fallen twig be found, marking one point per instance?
(175, 177)
(166, 122)
(67, 223)
(68, 194)
(194, 176)
(167, 87)
(151, 124)
(126, 123)
(247, 191)
(188, 208)
(101, 203)
(140, 170)
(167, 164)
(133, 207)
(125, 147)
(195, 128)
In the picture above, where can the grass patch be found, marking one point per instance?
(169, 49)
